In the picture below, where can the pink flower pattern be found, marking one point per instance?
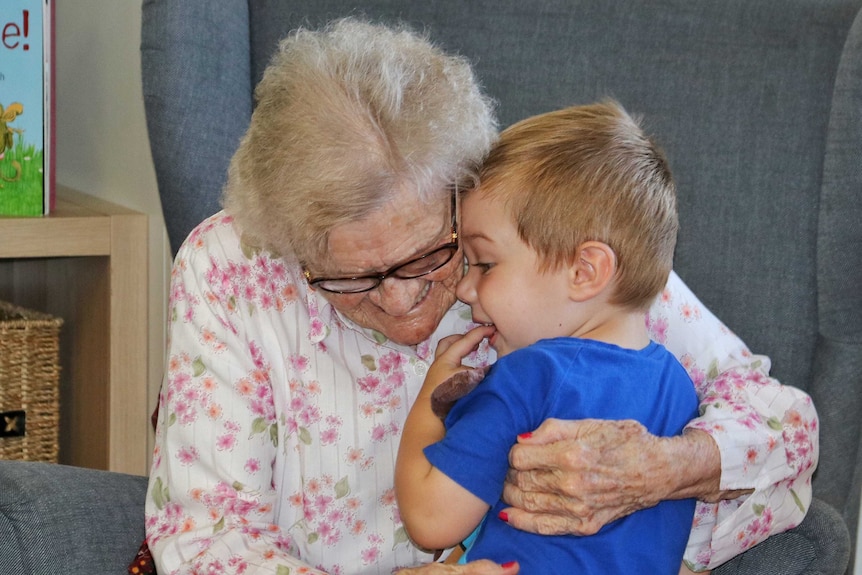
(280, 420)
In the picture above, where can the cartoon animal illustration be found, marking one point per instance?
(7, 136)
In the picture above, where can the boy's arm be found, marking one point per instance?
(437, 512)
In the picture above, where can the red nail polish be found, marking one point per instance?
(503, 516)
(507, 564)
(526, 435)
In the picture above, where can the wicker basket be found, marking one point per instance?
(29, 384)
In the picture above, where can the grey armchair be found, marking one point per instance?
(758, 105)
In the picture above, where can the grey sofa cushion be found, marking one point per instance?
(59, 519)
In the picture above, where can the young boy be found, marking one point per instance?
(569, 236)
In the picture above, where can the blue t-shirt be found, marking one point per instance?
(569, 378)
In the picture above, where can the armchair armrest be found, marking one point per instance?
(61, 519)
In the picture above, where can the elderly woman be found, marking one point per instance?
(304, 316)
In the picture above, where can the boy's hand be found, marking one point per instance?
(450, 352)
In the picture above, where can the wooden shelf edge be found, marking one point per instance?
(80, 226)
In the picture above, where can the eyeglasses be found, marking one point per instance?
(417, 267)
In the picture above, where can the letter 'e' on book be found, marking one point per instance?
(26, 107)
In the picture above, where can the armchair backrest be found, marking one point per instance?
(757, 104)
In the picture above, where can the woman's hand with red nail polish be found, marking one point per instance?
(577, 476)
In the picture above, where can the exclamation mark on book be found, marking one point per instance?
(26, 28)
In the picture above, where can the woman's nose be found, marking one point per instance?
(397, 296)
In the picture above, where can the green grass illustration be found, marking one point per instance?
(21, 194)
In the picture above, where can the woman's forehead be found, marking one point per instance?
(402, 229)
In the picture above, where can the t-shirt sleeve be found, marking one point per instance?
(483, 426)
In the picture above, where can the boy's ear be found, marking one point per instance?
(592, 270)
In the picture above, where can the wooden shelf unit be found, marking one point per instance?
(86, 263)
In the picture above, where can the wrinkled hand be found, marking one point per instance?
(481, 567)
(577, 476)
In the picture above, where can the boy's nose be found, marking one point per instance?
(466, 288)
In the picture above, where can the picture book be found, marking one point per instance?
(26, 107)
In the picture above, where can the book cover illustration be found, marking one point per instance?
(25, 108)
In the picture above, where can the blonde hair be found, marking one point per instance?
(589, 173)
(345, 118)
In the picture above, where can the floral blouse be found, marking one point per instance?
(279, 422)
